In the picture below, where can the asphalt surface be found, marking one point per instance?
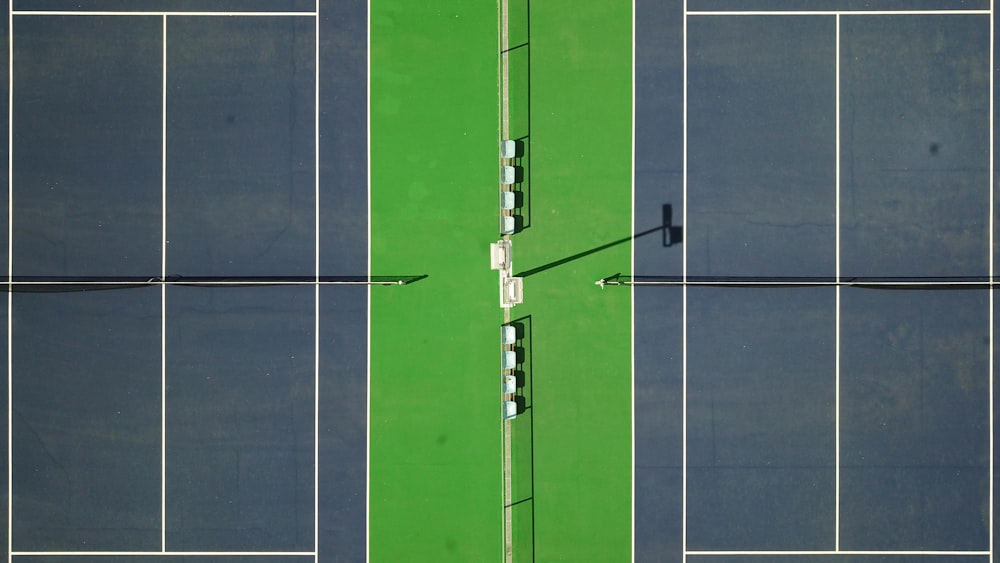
(761, 377)
(241, 201)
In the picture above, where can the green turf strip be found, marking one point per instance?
(435, 473)
(435, 434)
(577, 491)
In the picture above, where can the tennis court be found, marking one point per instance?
(187, 261)
(199, 369)
(814, 362)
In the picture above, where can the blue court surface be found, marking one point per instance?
(182, 174)
(814, 342)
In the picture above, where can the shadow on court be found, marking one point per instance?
(522, 501)
(672, 235)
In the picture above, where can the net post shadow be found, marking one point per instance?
(672, 235)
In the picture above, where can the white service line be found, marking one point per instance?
(684, 295)
(829, 552)
(836, 12)
(163, 300)
(10, 276)
(316, 297)
(836, 537)
(992, 269)
(158, 13)
(164, 553)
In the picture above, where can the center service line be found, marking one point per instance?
(684, 299)
(163, 303)
(836, 540)
(992, 267)
(316, 296)
(10, 276)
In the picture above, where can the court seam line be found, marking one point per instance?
(163, 299)
(157, 13)
(684, 291)
(836, 537)
(10, 278)
(835, 12)
(316, 295)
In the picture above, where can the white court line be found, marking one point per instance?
(158, 13)
(10, 277)
(836, 12)
(684, 294)
(836, 537)
(316, 297)
(632, 299)
(368, 305)
(163, 553)
(163, 302)
(992, 267)
(849, 552)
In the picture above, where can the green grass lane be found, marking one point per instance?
(435, 450)
(572, 447)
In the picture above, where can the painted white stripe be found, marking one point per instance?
(163, 301)
(158, 13)
(316, 297)
(10, 276)
(836, 12)
(163, 553)
(684, 296)
(992, 270)
(775, 553)
(836, 536)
